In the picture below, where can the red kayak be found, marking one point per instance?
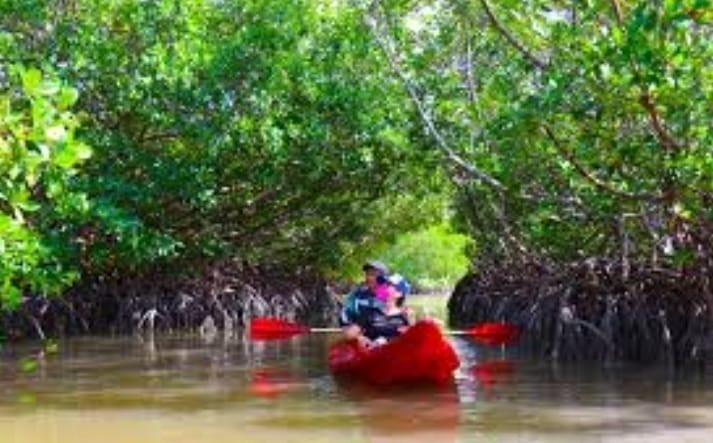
(420, 355)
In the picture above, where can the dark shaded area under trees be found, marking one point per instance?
(218, 299)
(594, 310)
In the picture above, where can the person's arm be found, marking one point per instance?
(409, 315)
(407, 319)
(347, 315)
(348, 320)
(352, 331)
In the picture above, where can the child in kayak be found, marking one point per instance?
(393, 319)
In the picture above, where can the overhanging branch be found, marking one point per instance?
(590, 177)
(441, 143)
(617, 11)
(536, 62)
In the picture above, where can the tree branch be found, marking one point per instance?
(662, 134)
(450, 154)
(537, 63)
(617, 11)
(645, 99)
(156, 136)
(590, 177)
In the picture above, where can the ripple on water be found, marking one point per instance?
(182, 389)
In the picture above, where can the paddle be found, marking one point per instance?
(490, 333)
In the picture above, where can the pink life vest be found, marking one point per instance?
(382, 292)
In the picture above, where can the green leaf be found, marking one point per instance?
(28, 364)
(10, 296)
(56, 133)
(82, 151)
(51, 346)
(48, 87)
(31, 79)
(67, 97)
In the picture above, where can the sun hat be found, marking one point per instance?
(400, 283)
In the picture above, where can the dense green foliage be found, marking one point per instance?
(573, 128)
(307, 133)
(431, 258)
(39, 206)
(260, 130)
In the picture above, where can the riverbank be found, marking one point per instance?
(219, 298)
(594, 310)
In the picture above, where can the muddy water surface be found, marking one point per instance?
(178, 389)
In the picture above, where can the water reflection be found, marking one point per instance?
(426, 414)
(182, 388)
(273, 382)
(491, 372)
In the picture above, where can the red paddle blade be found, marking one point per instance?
(270, 328)
(495, 333)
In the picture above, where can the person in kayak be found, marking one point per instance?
(361, 306)
(403, 289)
(394, 319)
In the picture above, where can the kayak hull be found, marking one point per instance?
(420, 355)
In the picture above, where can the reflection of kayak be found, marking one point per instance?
(420, 355)
(422, 413)
(270, 383)
(490, 372)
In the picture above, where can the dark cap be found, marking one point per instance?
(375, 265)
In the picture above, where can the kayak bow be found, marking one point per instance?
(420, 355)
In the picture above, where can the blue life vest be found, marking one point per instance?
(362, 308)
(359, 308)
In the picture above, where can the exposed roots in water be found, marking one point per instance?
(594, 310)
(223, 298)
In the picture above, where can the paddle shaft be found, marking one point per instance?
(458, 332)
(340, 330)
(273, 327)
(325, 329)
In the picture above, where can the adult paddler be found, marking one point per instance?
(361, 305)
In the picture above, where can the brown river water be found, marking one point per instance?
(180, 389)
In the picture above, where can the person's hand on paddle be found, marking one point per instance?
(352, 332)
(366, 342)
(410, 314)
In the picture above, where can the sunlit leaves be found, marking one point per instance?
(257, 129)
(617, 118)
(39, 155)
